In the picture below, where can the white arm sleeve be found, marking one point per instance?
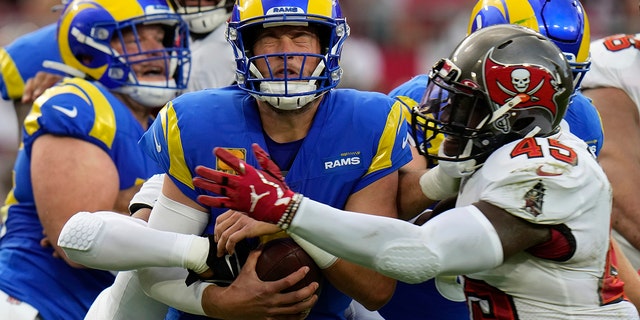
(169, 215)
(458, 241)
(167, 286)
(112, 241)
(148, 193)
(125, 300)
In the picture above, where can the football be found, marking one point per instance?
(281, 257)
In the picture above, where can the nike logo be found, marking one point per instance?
(71, 113)
(155, 141)
(405, 141)
(547, 171)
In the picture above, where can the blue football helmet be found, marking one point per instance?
(87, 28)
(287, 93)
(563, 21)
(500, 84)
(203, 16)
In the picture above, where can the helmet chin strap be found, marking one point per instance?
(289, 87)
(149, 94)
(58, 66)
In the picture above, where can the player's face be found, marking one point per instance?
(287, 39)
(147, 44)
(462, 112)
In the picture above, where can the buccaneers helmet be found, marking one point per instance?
(500, 84)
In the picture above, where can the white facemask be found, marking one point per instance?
(291, 87)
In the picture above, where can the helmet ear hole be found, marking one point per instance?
(85, 59)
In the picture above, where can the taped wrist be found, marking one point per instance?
(226, 268)
(322, 258)
(437, 185)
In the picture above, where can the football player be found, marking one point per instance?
(530, 228)
(128, 58)
(565, 23)
(612, 84)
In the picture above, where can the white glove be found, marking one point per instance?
(436, 184)
(457, 169)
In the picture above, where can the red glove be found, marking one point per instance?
(262, 194)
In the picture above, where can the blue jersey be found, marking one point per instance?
(584, 122)
(428, 300)
(82, 110)
(356, 138)
(22, 59)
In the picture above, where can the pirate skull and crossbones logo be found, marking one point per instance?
(521, 81)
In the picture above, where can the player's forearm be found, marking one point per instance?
(370, 288)
(625, 178)
(399, 249)
(111, 241)
(167, 286)
(411, 199)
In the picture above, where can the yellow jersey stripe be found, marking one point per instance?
(10, 75)
(382, 159)
(177, 163)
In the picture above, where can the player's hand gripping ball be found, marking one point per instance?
(281, 257)
(262, 194)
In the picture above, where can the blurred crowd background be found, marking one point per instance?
(391, 41)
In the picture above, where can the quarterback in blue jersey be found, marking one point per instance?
(319, 137)
(80, 147)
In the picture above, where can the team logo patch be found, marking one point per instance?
(240, 153)
(533, 199)
(281, 10)
(343, 161)
(536, 85)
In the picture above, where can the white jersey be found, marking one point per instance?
(212, 62)
(615, 62)
(552, 182)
